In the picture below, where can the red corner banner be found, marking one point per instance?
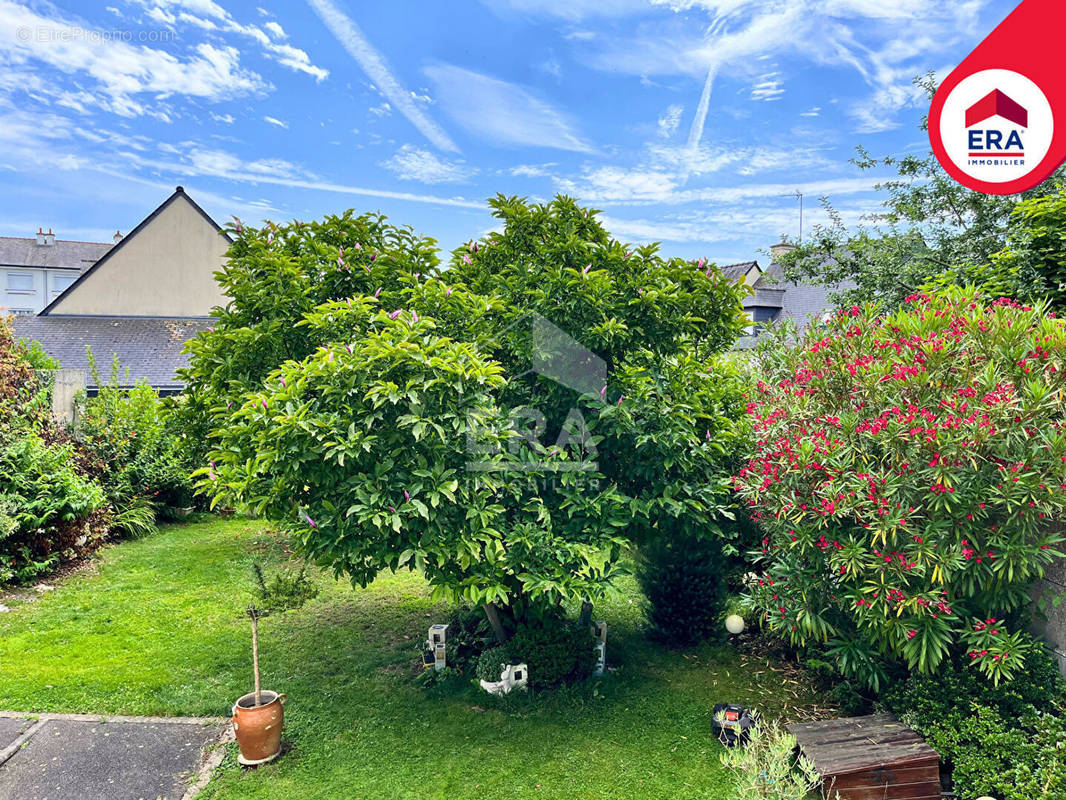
(998, 121)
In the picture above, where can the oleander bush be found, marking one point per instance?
(906, 472)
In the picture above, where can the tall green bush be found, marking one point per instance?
(142, 462)
(906, 472)
(685, 581)
(51, 510)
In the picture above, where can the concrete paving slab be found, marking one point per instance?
(87, 759)
(11, 729)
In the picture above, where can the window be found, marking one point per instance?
(22, 311)
(20, 283)
(60, 283)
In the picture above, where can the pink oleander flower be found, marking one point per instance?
(406, 495)
(377, 291)
(585, 271)
(394, 314)
(310, 521)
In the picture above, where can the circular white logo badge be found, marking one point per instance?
(996, 125)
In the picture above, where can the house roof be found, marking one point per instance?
(737, 271)
(179, 193)
(64, 254)
(149, 347)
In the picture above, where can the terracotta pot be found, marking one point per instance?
(258, 728)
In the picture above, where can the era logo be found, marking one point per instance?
(994, 125)
(990, 141)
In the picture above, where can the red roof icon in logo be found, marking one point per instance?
(995, 103)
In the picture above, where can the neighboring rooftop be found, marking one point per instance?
(735, 272)
(45, 251)
(149, 347)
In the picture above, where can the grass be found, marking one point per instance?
(156, 627)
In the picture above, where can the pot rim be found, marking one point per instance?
(247, 702)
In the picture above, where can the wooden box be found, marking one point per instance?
(870, 758)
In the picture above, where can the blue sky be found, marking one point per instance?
(689, 122)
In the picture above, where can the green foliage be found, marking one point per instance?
(555, 650)
(141, 460)
(36, 357)
(468, 636)
(931, 231)
(907, 471)
(48, 504)
(684, 580)
(275, 276)
(1004, 741)
(285, 590)
(1036, 245)
(390, 427)
(767, 767)
(490, 663)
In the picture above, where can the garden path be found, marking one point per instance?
(78, 757)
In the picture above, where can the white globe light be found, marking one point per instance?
(734, 623)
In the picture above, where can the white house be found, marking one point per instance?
(35, 271)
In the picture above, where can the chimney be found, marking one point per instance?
(118, 237)
(779, 250)
(46, 239)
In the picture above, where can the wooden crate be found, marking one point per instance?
(870, 758)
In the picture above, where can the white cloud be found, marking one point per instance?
(276, 122)
(209, 15)
(571, 9)
(670, 120)
(814, 112)
(225, 119)
(767, 88)
(887, 44)
(412, 163)
(502, 113)
(126, 77)
(374, 65)
(531, 170)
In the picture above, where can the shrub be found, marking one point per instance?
(468, 635)
(50, 507)
(905, 474)
(490, 663)
(1005, 741)
(684, 580)
(141, 460)
(767, 767)
(283, 591)
(555, 650)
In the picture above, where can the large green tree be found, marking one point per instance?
(507, 426)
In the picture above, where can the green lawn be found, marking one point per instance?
(157, 628)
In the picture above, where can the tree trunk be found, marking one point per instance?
(584, 619)
(493, 615)
(255, 656)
